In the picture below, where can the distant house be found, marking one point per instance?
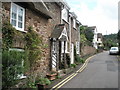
(100, 39)
(94, 28)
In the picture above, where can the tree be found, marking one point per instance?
(110, 40)
(89, 35)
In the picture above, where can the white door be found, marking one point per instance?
(72, 53)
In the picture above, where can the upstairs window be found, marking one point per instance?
(65, 14)
(17, 16)
(77, 47)
(74, 23)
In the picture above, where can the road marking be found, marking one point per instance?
(60, 84)
(66, 81)
(81, 67)
(62, 81)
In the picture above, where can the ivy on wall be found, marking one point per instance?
(33, 46)
(8, 33)
(11, 60)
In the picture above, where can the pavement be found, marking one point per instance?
(100, 72)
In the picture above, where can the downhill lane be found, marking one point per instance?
(101, 72)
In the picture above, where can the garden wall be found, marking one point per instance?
(87, 50)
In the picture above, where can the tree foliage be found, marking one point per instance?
(118, 36)
(86, 35)
(110, 40)
(89, 35)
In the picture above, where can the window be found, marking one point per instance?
(74, 23)
(20, 54)
(77, 47)
(65, 15)
(17, 17)
(62, 47)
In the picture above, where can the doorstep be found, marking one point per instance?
(64, 74)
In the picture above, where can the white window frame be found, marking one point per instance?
(23, 20)
(66, 47)
(77, 48)
(74, 23)
(65, 14)
(62, 46)
(19, 76)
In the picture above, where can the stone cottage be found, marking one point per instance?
(74, 36)
(58, 28)
(42, 16)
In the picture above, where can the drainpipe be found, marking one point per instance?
(79, 41)
(70, 37)
(64, 56)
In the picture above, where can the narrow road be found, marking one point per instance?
(101, 72)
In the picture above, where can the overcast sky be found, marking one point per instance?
(100, 13)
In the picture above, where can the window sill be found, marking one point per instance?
(67, 52)
(21, 76)
(22, 31)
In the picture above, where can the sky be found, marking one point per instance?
(100, 13)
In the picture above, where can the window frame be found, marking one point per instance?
(19, 76)
(64, 11)
(17, 14)
(74, 23)
(78, 47)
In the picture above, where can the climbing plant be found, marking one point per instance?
(8, 33)
(33, 45)
(11, 59)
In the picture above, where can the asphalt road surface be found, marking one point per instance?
(101, 72)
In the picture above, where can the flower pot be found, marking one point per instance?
(41, 86)
(51, 76)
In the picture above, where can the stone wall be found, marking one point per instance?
(74, 33)
(87, 50)
(44, 27)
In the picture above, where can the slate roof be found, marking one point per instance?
(40, 8)
(92, 28)
(57, 31)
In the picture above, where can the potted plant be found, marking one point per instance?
(42, 83)
(52, 75)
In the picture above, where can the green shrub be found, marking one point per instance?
(11, 67)
(73, 65)
(82, 60)
(58, 77)
(43, 81)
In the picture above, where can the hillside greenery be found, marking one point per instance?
(110, 41)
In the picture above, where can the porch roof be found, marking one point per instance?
(57, 31)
